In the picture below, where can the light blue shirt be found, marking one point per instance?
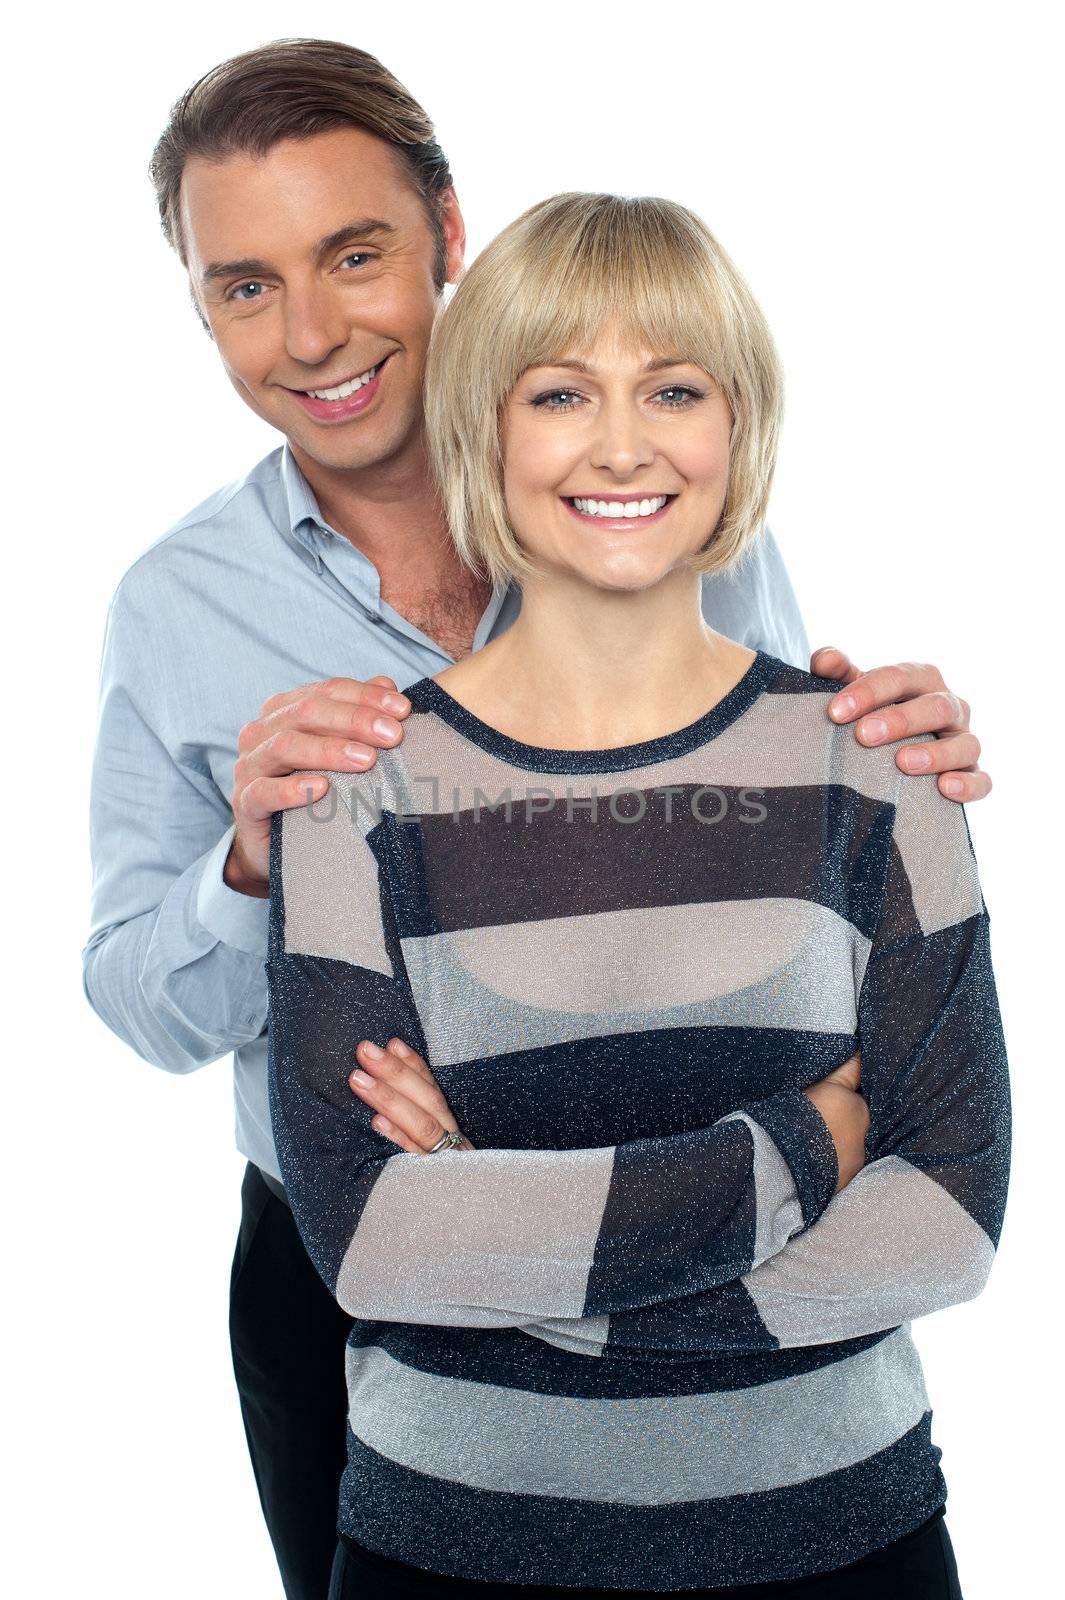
(250, 594)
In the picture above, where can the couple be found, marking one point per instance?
(651, 1416)
(686, 998)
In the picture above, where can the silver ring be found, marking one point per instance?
(452, 1140)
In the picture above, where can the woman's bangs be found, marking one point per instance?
(643, 303)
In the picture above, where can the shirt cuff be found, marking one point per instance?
(803, 1138)
(240, 920)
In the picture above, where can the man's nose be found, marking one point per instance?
(621, 441)
(315, 324)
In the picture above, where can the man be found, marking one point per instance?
(315, 213)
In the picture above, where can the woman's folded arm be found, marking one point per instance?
(918, 1227)
(492, 1237)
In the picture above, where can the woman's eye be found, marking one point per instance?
(675, 398)
(682, 394)
(557, 400)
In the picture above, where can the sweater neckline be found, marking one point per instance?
(428, 695)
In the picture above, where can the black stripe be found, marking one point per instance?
(781, 1533)
(824, 843)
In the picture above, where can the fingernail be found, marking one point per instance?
(355, 752)
(952, 785)
(395, 702)
(917, 759)
(844, 707)
(874, 728)
(385, 727)
(374, 1051)
(363, 1078)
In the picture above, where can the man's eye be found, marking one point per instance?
(356, 255)
(238, 292)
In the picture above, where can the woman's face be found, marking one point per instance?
(639, 435)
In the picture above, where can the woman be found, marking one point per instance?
(693, 1009)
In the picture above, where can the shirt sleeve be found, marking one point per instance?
(490, 1237)
(918, 1228)
(754, 603)
(175, 959)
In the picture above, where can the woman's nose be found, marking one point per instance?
(621, 441)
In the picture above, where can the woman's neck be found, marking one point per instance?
(585, 668)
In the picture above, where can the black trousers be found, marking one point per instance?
(919, 1566)
(288, 1337)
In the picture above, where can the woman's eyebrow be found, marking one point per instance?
(654, 365)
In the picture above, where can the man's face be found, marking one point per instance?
(313, 266)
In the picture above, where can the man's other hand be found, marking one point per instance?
(909, 697)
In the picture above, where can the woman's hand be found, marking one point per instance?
(839, 1100)
(909, 697)
(398, 1082)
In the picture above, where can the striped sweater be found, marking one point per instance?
(635, 1339)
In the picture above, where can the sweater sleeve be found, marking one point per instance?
(917, 1229)
(489, 1237)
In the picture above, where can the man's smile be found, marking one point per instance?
(336, 402)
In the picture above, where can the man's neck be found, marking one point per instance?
(391, 512)
(393, 515)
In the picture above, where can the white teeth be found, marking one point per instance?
(345, 388)
(618, 508)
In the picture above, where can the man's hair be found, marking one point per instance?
(292, 89)
(545, 288)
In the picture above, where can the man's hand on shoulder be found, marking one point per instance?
(337, 725)
(908, 698)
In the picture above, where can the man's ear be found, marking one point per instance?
(454, 226)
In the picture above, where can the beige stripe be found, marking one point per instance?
(644, 1451)
(893, 1244)
(524, 985)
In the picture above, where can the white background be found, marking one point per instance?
(887, 178)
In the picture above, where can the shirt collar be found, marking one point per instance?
(309, 529)
(304, 518)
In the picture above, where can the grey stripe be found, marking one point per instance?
(329, 879)
(638, 1451)
(523, 1230)
(892, 1245)
(482, 991)
(926, 836)
(784, 739)
(552, 1330)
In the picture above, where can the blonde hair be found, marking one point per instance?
(545, 287)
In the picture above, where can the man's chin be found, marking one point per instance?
(337, 450)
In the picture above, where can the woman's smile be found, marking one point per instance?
(621, 511)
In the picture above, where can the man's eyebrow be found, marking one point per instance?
(360, 228)
(654, 365)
